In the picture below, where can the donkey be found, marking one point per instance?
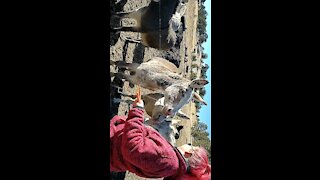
(154, 103)
(167, 128)
(156, 22)
(160, 75)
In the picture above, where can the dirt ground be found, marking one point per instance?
(134, 52)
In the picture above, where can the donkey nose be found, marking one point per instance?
(169, 111)
(176, 136)
(179, 127)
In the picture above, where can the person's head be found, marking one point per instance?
(197, 157)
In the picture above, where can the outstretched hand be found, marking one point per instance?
(138, 101)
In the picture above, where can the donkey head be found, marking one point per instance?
(175, 128)
(167, 127)
(179, 94)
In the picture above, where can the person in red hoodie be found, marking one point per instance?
(142, 150)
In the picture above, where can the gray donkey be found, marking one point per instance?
(156, 22)
(160, 75)
(154, 103)
(168, 128)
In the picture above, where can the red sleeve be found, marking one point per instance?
(148, 154)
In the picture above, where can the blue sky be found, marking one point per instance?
(205, 111)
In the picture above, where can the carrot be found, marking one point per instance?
(138, 94)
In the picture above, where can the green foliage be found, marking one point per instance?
(204, 56)
(199, 130)
(202, 92)
(200, 137)
(202, 24)
(204, 76)
(198, 105)
(204, 72)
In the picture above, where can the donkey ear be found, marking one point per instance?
(159, 102)
(198, 98)
(198, 83)
(182, 115)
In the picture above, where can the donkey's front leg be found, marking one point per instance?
(126, 77)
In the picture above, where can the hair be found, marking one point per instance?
(200, 169)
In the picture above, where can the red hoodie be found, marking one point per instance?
(142, 150)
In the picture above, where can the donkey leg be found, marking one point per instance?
(130, 66)
(126, 77)
(123, 64)
(119, 75)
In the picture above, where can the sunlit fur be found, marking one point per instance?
(167, 128)
(160, 75)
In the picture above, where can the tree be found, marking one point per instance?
(198, 105)
(203, 76)
(204, 56)
(200, 137)
(203, 37)
(202, 24)
(202, 91)
(204, 71)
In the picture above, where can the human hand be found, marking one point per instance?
(138, 101)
